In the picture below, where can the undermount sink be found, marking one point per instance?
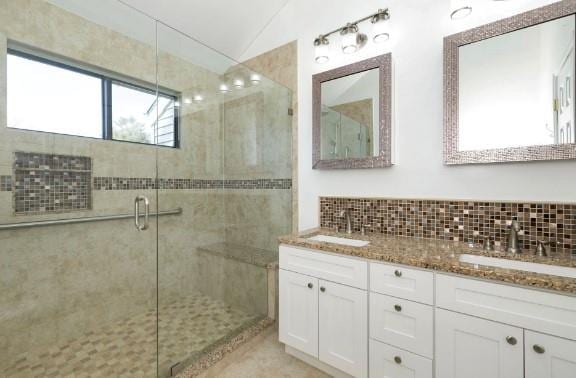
(335, 240)
(554, 270)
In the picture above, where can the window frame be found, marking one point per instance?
(106, 102)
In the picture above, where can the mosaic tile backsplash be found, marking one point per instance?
(123, 183)
(45, 183)
(466, 221)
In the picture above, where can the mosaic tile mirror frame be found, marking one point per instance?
(454, 152)
(383, 150)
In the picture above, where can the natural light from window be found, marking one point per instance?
(47, 98)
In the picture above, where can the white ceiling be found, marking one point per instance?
(229, 26)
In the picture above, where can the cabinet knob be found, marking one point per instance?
(539, 349)
(398, 360)
(398, 308)
(511, 340)
(310, 286)
(398, 273)
(322, 289)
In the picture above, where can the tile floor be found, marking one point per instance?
(127, 348)
(263, 357)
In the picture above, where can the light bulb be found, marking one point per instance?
(381, 27)
(198, 98)
(187, 100)
(255, 79)
(349, 45)
(238, 83)
(224, 88)
(460, 9)
(321, 50)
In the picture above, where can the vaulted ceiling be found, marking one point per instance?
(229, 26)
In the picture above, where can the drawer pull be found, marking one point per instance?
(322, 289)
(511, 340)
(398, 273)
(398, 308)
(310, 286)
(398, 360)
(539, 349)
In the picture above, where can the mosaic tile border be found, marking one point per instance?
(125, 183)
(452, 155)
(465, 221)
(5, 183)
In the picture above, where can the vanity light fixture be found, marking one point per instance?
(380, 29)
(460, 9)
(352, 39)
(321, 49)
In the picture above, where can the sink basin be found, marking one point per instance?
(335, 240)
(554, 270)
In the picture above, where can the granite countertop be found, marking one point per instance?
(441, 256)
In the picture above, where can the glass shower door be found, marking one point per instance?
(78, 292)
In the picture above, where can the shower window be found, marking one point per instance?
(88, 103)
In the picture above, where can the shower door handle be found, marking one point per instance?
(137, 200)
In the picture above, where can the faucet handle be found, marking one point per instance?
(541, 249)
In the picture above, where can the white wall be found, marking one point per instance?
(418, 28)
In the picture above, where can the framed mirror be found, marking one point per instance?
(509, 89)
(352, 123)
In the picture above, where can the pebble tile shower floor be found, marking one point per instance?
(127, 348)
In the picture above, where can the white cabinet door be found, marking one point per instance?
(476, 348)
(343, 318)
(389, 362)
(298, 323)
(549, 357)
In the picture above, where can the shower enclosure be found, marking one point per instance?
(144, 179)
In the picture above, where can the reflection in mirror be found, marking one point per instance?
(350, 116)
(516, 89)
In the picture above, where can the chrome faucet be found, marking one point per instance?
(346, 214)
(513, 247)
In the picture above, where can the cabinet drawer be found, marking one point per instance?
(397, 281)
(337, 269)
(404, 324)
(550, 313)
(387, 361)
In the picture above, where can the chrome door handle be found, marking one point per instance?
(137, 200)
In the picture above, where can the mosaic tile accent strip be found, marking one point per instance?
(465, 221)
(45, 183)
(5, 183)
(127, 348)
(451, 87)
(123, 183)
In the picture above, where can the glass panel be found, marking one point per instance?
(45, 97)
(232, 178)
(76, 299)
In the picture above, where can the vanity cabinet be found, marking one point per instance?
(323, 318)
(471, 347)
(549, 356)
(358, 317)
